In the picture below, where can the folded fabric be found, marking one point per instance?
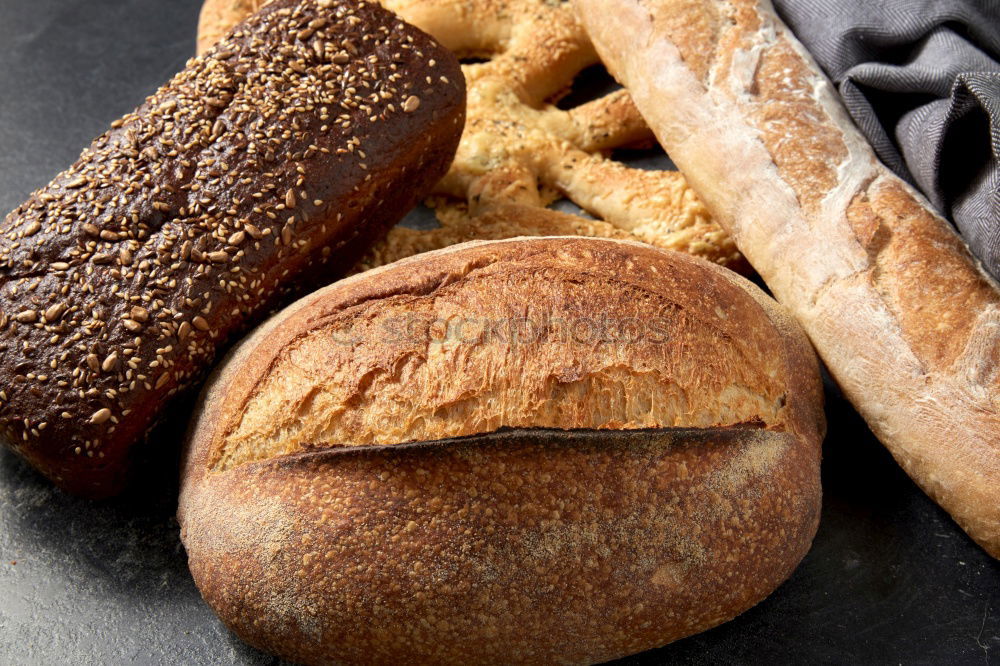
(921, 78)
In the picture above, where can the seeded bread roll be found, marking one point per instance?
(267, 166)
(905, 318)
(554, 450)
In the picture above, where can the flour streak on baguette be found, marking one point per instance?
(903, 316)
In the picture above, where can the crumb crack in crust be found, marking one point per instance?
(520, 152)
(277, 151)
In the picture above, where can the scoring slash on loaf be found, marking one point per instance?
(906, 320)
(558, 450)
(269, 165)
(520, 152)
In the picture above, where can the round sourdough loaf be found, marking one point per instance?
(548, 450)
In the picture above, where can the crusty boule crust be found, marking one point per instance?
(544, 500)
(904, 317)
(265, 168)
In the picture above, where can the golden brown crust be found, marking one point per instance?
(261, 169)
(582, 336)
(902, 314)
(520, 149)
(522, 547)
(500, 222)
(563, 544)
(925, 275)
(218, 18)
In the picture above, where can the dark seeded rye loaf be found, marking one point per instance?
(266, 166)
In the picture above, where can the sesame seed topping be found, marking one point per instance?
(54, 312)
(411, 104)
(186, 215)
(110, 363)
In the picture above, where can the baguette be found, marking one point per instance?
(905, 319)
(267, 166)
(548, 450)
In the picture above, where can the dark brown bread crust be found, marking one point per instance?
(520, 545)
(265, 167)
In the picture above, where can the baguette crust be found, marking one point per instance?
(267, 166)
(577, 542)
(906, 320)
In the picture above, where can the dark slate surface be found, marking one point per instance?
(890, 578)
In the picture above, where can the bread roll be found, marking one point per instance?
(268, 165)
(906, 320)
(555, 450)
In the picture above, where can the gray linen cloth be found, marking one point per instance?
(921, 78)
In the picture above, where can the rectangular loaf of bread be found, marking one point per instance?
(266, 166)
